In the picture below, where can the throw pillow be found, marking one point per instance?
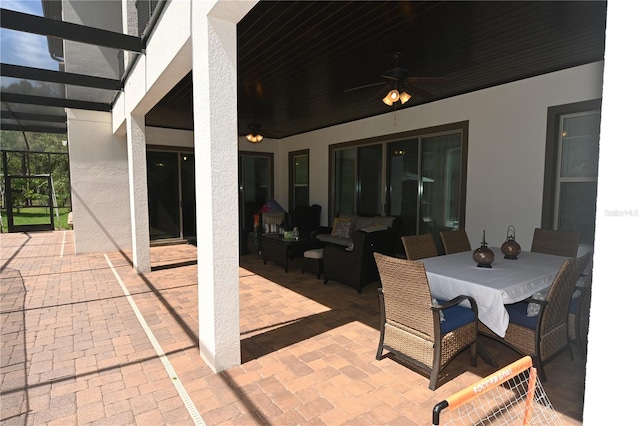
(533, 309)
(341, 228)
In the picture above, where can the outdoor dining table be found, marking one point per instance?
(507, 281)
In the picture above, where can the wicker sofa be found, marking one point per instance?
(356, 223)
(349, 260)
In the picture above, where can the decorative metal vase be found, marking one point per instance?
(483, 255)
(510, 248)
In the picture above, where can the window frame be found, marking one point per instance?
(462, 127)
(292, 177)
(550, 196)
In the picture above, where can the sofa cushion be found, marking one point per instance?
(386, 221)
(341, 227)
(373, 228)
(363, 222)
(328, 238)
(351, 217)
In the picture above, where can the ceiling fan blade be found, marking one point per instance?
(255, 128)
(364, 87)
(390, 77)
(418, 91)
(434, 80)
(380, 95)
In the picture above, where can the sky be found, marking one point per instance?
(20, 48)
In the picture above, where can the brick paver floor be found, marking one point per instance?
(74, 351)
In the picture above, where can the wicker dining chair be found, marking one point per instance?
(419, 246)
(411, 327)
(455, 241)
(557, 242)
(578, 319)
(545, 335)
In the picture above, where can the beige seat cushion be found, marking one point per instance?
(314, 253)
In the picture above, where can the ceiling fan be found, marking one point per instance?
(256, 132)
(400, 86)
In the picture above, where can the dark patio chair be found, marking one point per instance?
(455, 241)
(545, 335)
(419, 246)
(579, 307)
(411, 326)
(556, 242)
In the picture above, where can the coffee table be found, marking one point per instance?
(279, 250)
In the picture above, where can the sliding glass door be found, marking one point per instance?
(370, 181)
(441, 185)
(402, 182)
(255, 180)
(171, 195)
(420, 178)
(344, 181)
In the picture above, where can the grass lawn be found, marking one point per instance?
(35, 216)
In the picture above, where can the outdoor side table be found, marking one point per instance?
(280, 250)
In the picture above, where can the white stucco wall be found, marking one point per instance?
(166, 61)
(507, 141)
(169, 137)
(99, 183)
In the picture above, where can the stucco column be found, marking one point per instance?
(215, 140)
(99, 183)
(137, 160)
(216, 157)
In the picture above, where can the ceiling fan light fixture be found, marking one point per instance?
(257, 138)
(404, 97)
(391, 97)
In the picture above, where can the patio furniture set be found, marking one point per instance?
(434, 307)
(343, 252)
(536, 304)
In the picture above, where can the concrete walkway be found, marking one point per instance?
(85, 340)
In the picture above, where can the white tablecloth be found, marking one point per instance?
(508, 281)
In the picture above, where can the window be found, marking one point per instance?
(344, 181)
(369, 193)
(145, 10)
(419, 176)
(571, 169)
(440, 207)
(255, 181)
(298, 179)
(357, 180)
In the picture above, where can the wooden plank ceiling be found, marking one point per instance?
(296, 59)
